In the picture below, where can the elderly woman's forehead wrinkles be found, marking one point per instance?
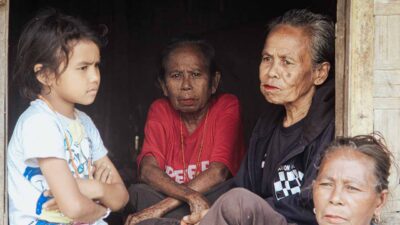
(280, 52)
(339, 176)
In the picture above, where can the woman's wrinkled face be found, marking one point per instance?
(345, 189)
(286, 69)
(187, 80)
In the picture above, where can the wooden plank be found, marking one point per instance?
(387, 92)
(4, 12)
(387, 76)
(359, 66)
(387, 42)
(340, 53)
(384, 121)
(386, 103)
(385, 7)
(387, 83)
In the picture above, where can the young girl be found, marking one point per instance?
(58, 169)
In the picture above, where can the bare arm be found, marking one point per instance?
(111, 194)
(71, 202)
(151, 174)
(191, 193)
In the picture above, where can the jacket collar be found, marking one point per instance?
(320, 114)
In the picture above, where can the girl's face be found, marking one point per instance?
(80, 80)
(344, 191)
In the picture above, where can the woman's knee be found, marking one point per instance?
(238, 195)
(238, 199)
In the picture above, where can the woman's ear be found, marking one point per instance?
(163, 87)
(215, 82)
(381, 201)
(321, 73)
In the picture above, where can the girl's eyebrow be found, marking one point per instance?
(85, 63)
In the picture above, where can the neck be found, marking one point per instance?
(192, 120)
(64, 108)
(296, 111)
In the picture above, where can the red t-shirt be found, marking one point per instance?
(223, 138)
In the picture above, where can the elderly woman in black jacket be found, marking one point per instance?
(285, 146)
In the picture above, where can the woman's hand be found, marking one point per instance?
(148, 213)
(194, 218)
(197, 203)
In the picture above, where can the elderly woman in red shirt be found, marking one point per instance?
(193, 136)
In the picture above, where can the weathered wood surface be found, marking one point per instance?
(4, 11)
(359, 67)
(387, 7)
(386, 91)
(340, 60)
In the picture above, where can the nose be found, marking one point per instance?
(94, 76)
(268, 70)
(336, 196)
(186, 82)
(273, 71)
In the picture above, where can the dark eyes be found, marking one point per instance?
(283, 60)
(196, 74)
(352, 188)
(83, 68)
(266, 58)
(178, 75)
(175, 75)
(287, 62)
(326, 184)
(348, 187)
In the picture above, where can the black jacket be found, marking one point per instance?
(302, 161)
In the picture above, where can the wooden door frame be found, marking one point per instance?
(354, 64)
(4, 17)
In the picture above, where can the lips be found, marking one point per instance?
(92, 91)
(268, 87)
(187, 101)
(334, 219)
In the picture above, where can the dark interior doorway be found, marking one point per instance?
(138, 29)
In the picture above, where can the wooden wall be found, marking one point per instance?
(386, 91)
(368, 78)
(3, 105)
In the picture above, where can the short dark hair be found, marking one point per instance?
(46, 39)
(374, 147)
(205, 48)
(320, 28)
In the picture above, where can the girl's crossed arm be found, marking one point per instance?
(71, 202)
(107, 185)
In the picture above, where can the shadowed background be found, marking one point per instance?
(137, 31)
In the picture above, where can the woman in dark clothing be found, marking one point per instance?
(285, 146)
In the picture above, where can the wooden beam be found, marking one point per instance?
(340, 53)
(4, 12)
(359, 67)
